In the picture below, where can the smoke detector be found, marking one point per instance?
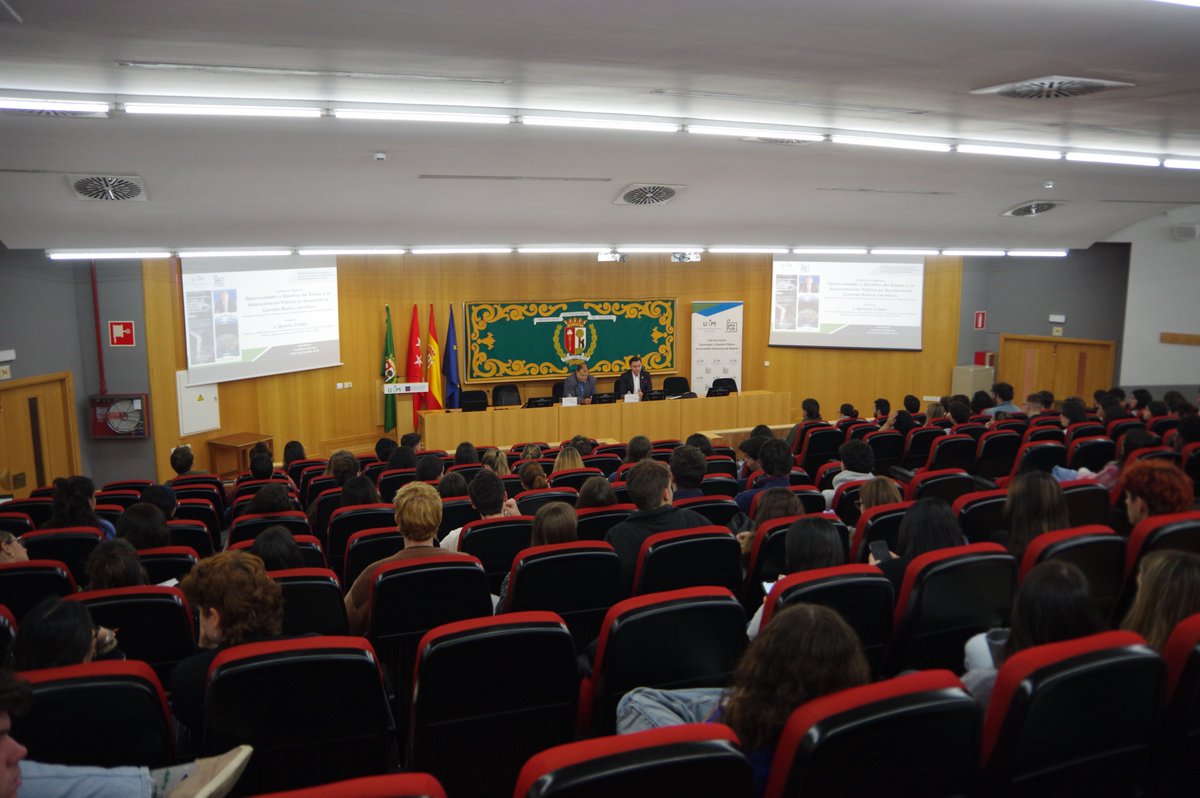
(646, 194)
(1052, 87)
(107, 188)
(1032, 208)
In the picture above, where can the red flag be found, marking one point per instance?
(433, 369)
(416, 365)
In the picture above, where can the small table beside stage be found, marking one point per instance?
(234, 450)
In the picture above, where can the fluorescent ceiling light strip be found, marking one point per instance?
(566, 250)
(600, 124)
(222, 110)
(753, 132)
(903, 251)
(1191, 3)
(1037, 253)
(974, 253)
(1181, 163)
(829, 250)
(110, 255)
(233, 253)
(1012, 152)
(658, 249)
(29, 104)
(900, 144)
(1114, 158)
(461, 250)
(748, 250)
(423, 116)
(351, 251)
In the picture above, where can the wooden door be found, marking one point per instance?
(38, 436)
(1066, 366)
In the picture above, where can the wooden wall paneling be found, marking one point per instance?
(307, 407)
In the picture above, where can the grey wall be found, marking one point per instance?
(1019, 294)
(46, 316)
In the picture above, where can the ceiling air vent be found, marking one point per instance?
(1052, 87)
(107, 188)
(1032, 208)
(646, 194)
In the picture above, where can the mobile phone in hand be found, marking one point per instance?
(879, 550)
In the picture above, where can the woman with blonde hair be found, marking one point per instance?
(497, 461)
(880, 490)
(568, 458)
(1168, 590)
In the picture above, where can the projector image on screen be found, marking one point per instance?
(258, 316)
(847, 305)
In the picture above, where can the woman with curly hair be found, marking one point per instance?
(1154, 487)
(237, 603)
(805, 652)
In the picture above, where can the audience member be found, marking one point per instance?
(342, 466)
(934, 411)
(402, 457)
(847, 410)
(554, 523)
(901, 421)
(649, 485)
(236, 602)
(776, 462)
(687, 467)
(960, 412)
(929, 525)
(772, 503)
(638, 449)
(751, 448)
(489, 499)
(1072, 412)
(12, 548)
(182, 461)
(595, 492)
(56, 633)
(1187, 432)
(883, 408)
(810, 543)
(531, 451)
(429, 468)
(1168, 590)
(701, 442)
(1154, 487)
(1034, 505)
(877, 491)
(74, 504)
(1141, 398)
(359, 490)
(858, 463)
(811, 409)
(162, 497)
(418, 516)
(567, 459)
(805, 652)
(762, 431)
(1003, 395)
(276, 547)
(981, 401)
(261, 466)
(1053, 604)
(384, 448)
(466, 454)
(293, 451)
(273, 498)
(451, 485)
(1154, 409)
(912, 404)
(582, 444)
(412, 440)
(496, 461)
(533, 477)
(144, 527)
(115, 563)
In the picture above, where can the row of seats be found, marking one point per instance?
(495, 704)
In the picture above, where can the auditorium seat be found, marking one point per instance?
(1073, 718)
(204, 511)
(122, 498)
(391, 785)
(296, 468)
(703, 556)
(25, 584)
(1158, 532)
(109, 512)
(692, 759)
(310, 549)
(154, 623)
(976, 429)
(314, 486)
(1177, 764)
(1045, 433)
(38, 508)
(392, 480)
(917, 444)
(820, 446)
(860, 593)
(200, 481)
(887, 446)
(466, 470)
(107, 714)
(945, 452)
(327, 502)
(719, 510)
(69, 545)
(606, 463)
(1084, 429)
(1119, 426)
(1094, 549)
(981, 514)
(845, 502)
(314, 708)
(680, 638)
(947, 596)
(1153, 453)
(473, 401)
(249, 527)
(367, 546)
(250, 487)
(505, 395)
(16, 523)
(916, 734)
(1037, 456)
(881, 522)
(1191, 465)
(858, 431)
(167, 562)
(530, 501)
(593, 523)
(138, 485)
(192, 534)
(1087, 502)
(410, 597)
(721, 464)
(823, 480)
(488, 694)
(995, 453)
(719, 485)
(495, 542)
(312, 601)
(767, 561)
(345, 521)
(946, 484)
(8, 633)
(811, 499)
(577, 581)
(573, 477)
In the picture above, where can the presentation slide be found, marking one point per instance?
(259, 316)
(847, 305)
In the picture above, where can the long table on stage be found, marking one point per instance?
(670, 418)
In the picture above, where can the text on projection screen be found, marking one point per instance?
(846, 305)
(258, 316)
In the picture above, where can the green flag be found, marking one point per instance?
(389, 374)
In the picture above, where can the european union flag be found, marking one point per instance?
(450, 363)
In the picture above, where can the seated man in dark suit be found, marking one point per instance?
(580, 385)
(635, 380)
(650, 488)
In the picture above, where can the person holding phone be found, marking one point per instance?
(810, 543)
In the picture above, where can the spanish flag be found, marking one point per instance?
(433, 370)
